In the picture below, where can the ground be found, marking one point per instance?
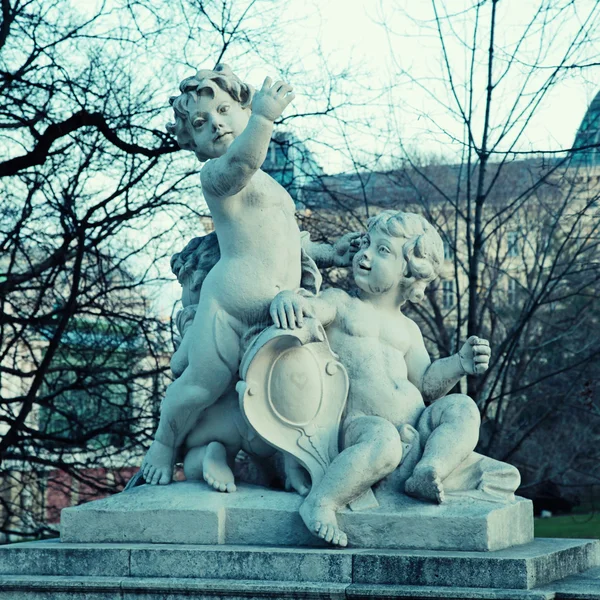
(569, 526)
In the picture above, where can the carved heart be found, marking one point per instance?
(299, 380)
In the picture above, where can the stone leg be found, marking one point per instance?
(449, 429)
(213, 361)
(484, 478)
(372, 451)
(213, 445)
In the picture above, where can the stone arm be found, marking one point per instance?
(288, 308)
(229, 174)
(339, 254)
(435, 380)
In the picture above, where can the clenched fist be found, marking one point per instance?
(475, 355)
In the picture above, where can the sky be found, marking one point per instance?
(396, 47)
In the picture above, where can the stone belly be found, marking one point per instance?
(245, 289)
(397, 402)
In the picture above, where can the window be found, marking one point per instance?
(448, 293)
(512, 243)
(448, 251)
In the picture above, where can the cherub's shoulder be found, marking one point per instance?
(215, 177)
(207, 172)
(335, 295)
(412, 328)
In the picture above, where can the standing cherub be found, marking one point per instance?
(258, 237)
(218, 117)
(390, 372)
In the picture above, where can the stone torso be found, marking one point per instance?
(260, 247)
(372, 346)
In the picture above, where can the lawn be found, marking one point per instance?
(569, 526)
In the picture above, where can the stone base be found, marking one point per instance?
(63, 571)
(193, 513)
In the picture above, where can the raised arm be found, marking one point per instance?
(229, 174)
(436, 379)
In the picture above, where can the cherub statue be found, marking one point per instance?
(258, 237)
(391, 374)
(210, 448)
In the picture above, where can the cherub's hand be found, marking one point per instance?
(474, 356)
(271, 100)
(345, 249)
(288, 310)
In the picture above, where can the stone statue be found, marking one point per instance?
(210, 448)
(267, 362)
(229, 127)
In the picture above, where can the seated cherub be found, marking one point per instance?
(390, 372)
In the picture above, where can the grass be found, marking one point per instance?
(569, 526)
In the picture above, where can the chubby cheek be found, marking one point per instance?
(382, 279)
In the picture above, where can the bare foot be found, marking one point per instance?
(192, 463)
(216, 470)
(321, 521)
(296, 477)
(425, 483)
(157, 467)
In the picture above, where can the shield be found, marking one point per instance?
(293, 392)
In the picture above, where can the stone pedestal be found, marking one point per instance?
(192, 513)
(186, 540)
(65, 571)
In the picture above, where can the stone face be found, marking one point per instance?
(192, 513)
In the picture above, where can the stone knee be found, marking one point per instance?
(460, 408)
(184, 396)
(192, 391)
(386, 452)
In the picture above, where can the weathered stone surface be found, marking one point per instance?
(256, 564)
(523, 567)
(53, 558)
(357, 570)
(411, 592)
(582, 586)
(192, 513)
(89, 588)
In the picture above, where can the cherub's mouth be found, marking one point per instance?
(222, 135)
(364, 267)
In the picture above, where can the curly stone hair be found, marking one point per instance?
(423, 250)
(193, 263)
